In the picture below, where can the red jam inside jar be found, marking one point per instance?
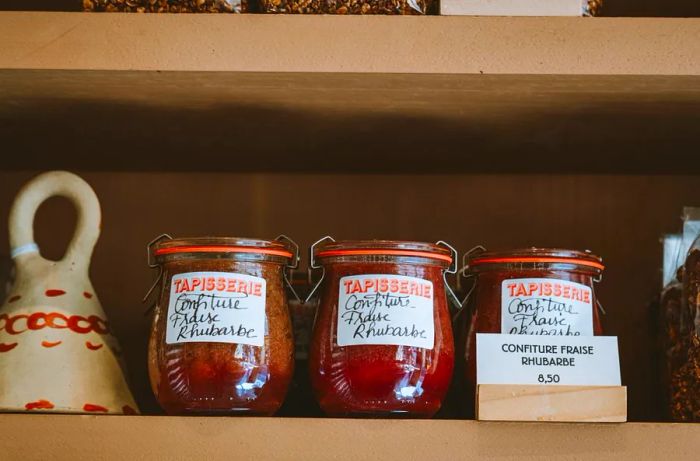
(221, 341)
(382, 341)
(531, 291)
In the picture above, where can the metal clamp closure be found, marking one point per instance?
(450, 270)
(153, 264)
(313, 265)
(291, 266)
(466, 257)
(150, 257)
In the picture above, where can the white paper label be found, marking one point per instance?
(547, 360)
(513, 7)
(546, 307)
(219, 307)
(385, 309)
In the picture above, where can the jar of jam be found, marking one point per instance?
(532, 291)
(221, 341)
(382, 341)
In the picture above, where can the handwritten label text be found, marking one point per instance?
(216, 307)
(385, 309)
(546, 307)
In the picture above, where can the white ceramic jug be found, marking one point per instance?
(56, 350)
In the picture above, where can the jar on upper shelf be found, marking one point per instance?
(221, 341)
(593, 7)
(382, 341)
(168, 6)
(344, 7)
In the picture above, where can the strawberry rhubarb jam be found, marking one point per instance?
(221, 340)
(382, 342)
(533, 291)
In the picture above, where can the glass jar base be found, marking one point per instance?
(414, 411)
(380, 414)
(189, 411)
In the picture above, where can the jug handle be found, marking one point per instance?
(37, 191)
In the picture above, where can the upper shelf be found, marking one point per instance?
(326, 93)
(376, 44)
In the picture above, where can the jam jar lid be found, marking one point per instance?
(225, 245)
(383, 248)
(535, 256)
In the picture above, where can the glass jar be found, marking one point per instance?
(530, 291)
(685, 384)
(387, 7)
(167, 6)
(382, 340)
(593, 7)
(671, 340)
(221, 340)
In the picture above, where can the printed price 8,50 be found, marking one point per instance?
(548, 378)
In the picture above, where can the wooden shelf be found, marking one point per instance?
(174, 96)
(124, 437)
(378, 44)
(376, 94)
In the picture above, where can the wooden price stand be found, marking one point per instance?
(598, 404)
(564, 378)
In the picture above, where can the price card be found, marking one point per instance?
(547, 360)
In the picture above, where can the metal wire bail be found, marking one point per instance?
(313, 265)
(152, 264)
(293, 265)
(466, 257)
(450, 270)
(149, 249)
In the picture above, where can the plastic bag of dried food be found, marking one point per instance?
(592, 7)
(405, 7)
(167, 6)
(395, 7)
(666, 312)
(685, 382)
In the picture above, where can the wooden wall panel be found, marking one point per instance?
(619, 217)
(344, 122)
